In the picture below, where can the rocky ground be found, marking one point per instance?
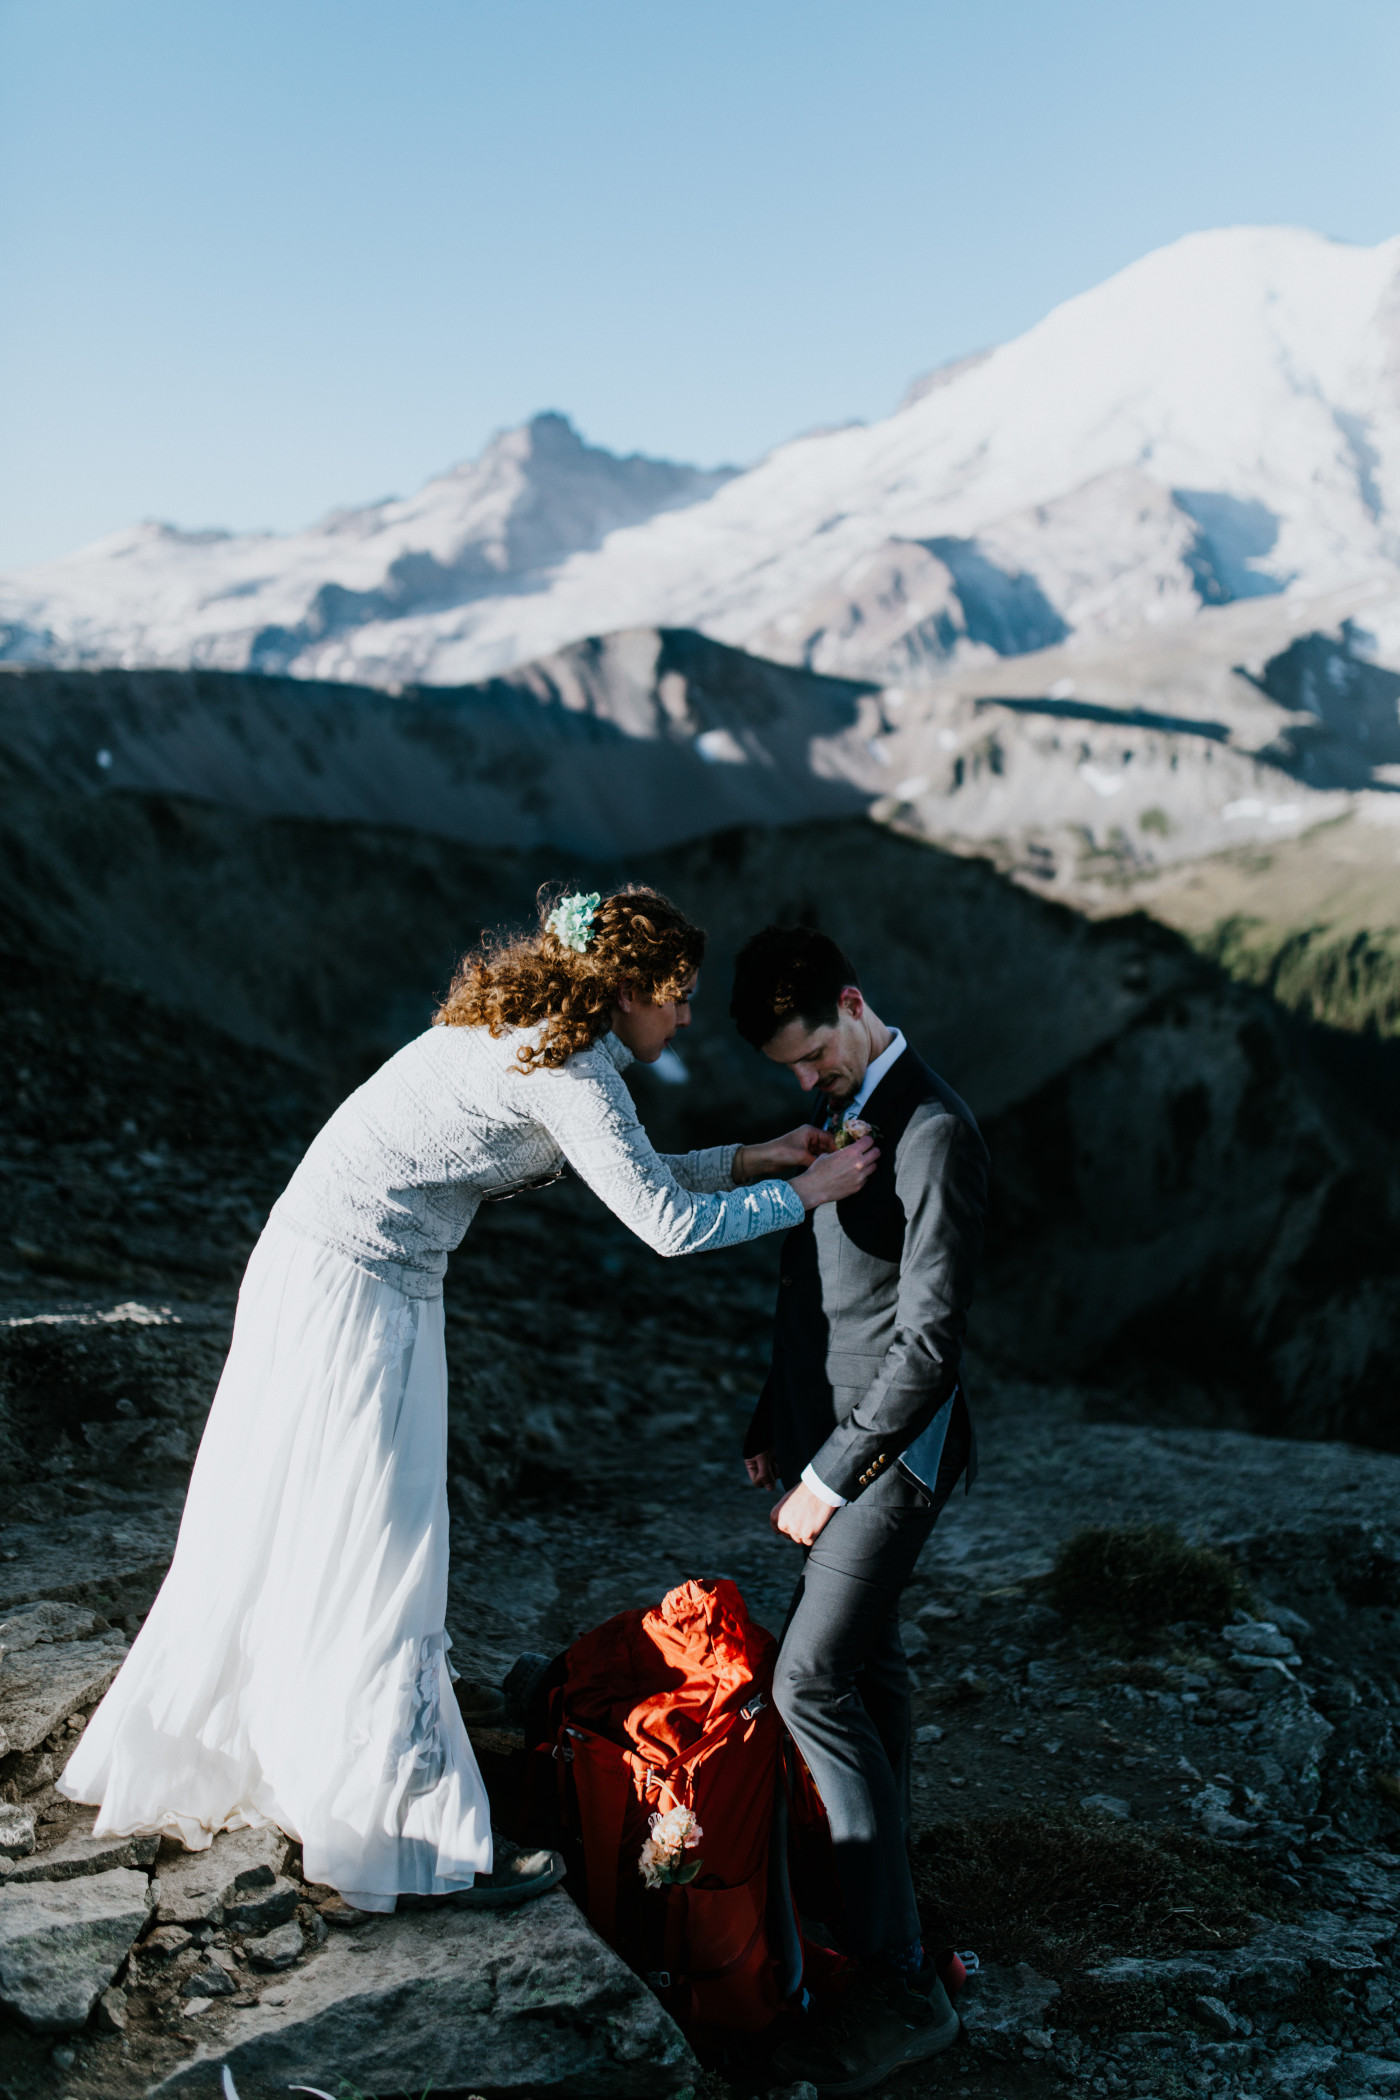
(1173, 1841)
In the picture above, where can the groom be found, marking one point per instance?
(864, 1422)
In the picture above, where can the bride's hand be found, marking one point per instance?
(838, 1174)
(781, 1157)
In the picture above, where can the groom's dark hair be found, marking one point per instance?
(787, 973)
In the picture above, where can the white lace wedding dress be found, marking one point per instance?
(293, 1669)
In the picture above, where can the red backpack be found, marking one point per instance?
(673, 1709)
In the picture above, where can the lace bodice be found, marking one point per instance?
(397, 1175)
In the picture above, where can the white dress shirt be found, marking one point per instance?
(874, 1073)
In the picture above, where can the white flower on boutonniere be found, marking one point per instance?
(662, 1858)
(571, 921)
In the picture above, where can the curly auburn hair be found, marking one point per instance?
(519, 980)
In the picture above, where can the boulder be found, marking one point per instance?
(1370, 2074)
(33, 1625)
(111, 2015)
(1260, 1637)
(62, 1942)
(1211, 1808)
(514, 2002)
(259, 1909)
(212, 1982)
(1107, 1805)
(1303, 2066)
(1294, 1737)
(1133, 1972)
(999, 2005)
(1315, 1942)
(82, 1855)
(43, 1683)
(165, 1941)
(1265, 1973)
(16, 1833)
(193, 1887)
(277, 1949)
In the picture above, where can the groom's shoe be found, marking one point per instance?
(884, 2023)
(516, 1876)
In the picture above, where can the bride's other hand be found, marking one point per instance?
(780, 1158)
(838, 1174)
(762, 1470)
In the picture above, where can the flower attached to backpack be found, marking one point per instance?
(663, 1857)
(571, 921)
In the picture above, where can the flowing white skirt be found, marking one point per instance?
(293, 1669)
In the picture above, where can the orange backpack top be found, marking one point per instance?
(672, 1709)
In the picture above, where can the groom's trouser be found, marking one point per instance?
(842, 1686)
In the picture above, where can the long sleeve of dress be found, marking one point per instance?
(588, 1111)
(707, 1173)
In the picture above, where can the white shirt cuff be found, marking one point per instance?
(820, 1489)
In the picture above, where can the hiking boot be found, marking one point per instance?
(516, 1876)
(885, 2023)
(480, 1705)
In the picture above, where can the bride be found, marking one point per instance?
(293, 1668)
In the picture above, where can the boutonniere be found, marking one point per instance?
(847, 1129)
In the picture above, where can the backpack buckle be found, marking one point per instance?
(659, 1980)
(755, 1706)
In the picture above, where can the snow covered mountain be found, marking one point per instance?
(256, 601)
(1218, 422)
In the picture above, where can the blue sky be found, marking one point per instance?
(262, 257)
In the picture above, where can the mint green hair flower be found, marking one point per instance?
(571, 921)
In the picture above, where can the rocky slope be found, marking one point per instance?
(1239, 731)
(1176, 1855)
(598, 1398)
(1194, 1197)
(1179, 1857)
(1220, 421)
(622, 743)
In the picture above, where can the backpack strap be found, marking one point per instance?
(602, 1784)
(664, 1774)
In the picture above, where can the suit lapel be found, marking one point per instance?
(873, 1219)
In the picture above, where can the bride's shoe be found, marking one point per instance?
(480, 1705)
(516, 1876)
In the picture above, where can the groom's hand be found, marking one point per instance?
(781, 1158)
(801, 1515)
(762, 1469)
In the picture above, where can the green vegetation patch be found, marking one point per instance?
(1350, 981)
(1124, 1583)
(1062, 1890)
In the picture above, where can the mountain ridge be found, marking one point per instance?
(1218, 421)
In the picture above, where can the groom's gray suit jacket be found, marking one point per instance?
(874, 1293)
